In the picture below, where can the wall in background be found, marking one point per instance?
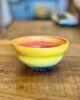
(25, 9)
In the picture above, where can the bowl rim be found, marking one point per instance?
(13, 42)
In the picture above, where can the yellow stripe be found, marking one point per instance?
(40, 64)
(41, 59)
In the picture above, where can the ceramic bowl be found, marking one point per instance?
(41, 58)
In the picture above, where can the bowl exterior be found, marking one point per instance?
(40, 62)
(41, 57)
(41, 52)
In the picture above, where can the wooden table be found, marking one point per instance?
(19, 83)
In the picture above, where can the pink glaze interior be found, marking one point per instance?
(38, 44)
(40, 41)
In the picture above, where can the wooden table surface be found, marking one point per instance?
(19, 83)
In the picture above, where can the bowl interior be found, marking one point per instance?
(40, 41)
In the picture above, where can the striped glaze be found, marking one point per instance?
(34, 63)
(41, 57)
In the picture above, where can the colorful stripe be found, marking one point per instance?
(40, 64)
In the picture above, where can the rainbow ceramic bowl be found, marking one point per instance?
(41, 58)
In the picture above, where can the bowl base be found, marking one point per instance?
(42, 68)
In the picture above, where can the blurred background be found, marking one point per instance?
(55, 10)
(39, 17)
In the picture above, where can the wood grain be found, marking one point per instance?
(23, 28)
(18, 82)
